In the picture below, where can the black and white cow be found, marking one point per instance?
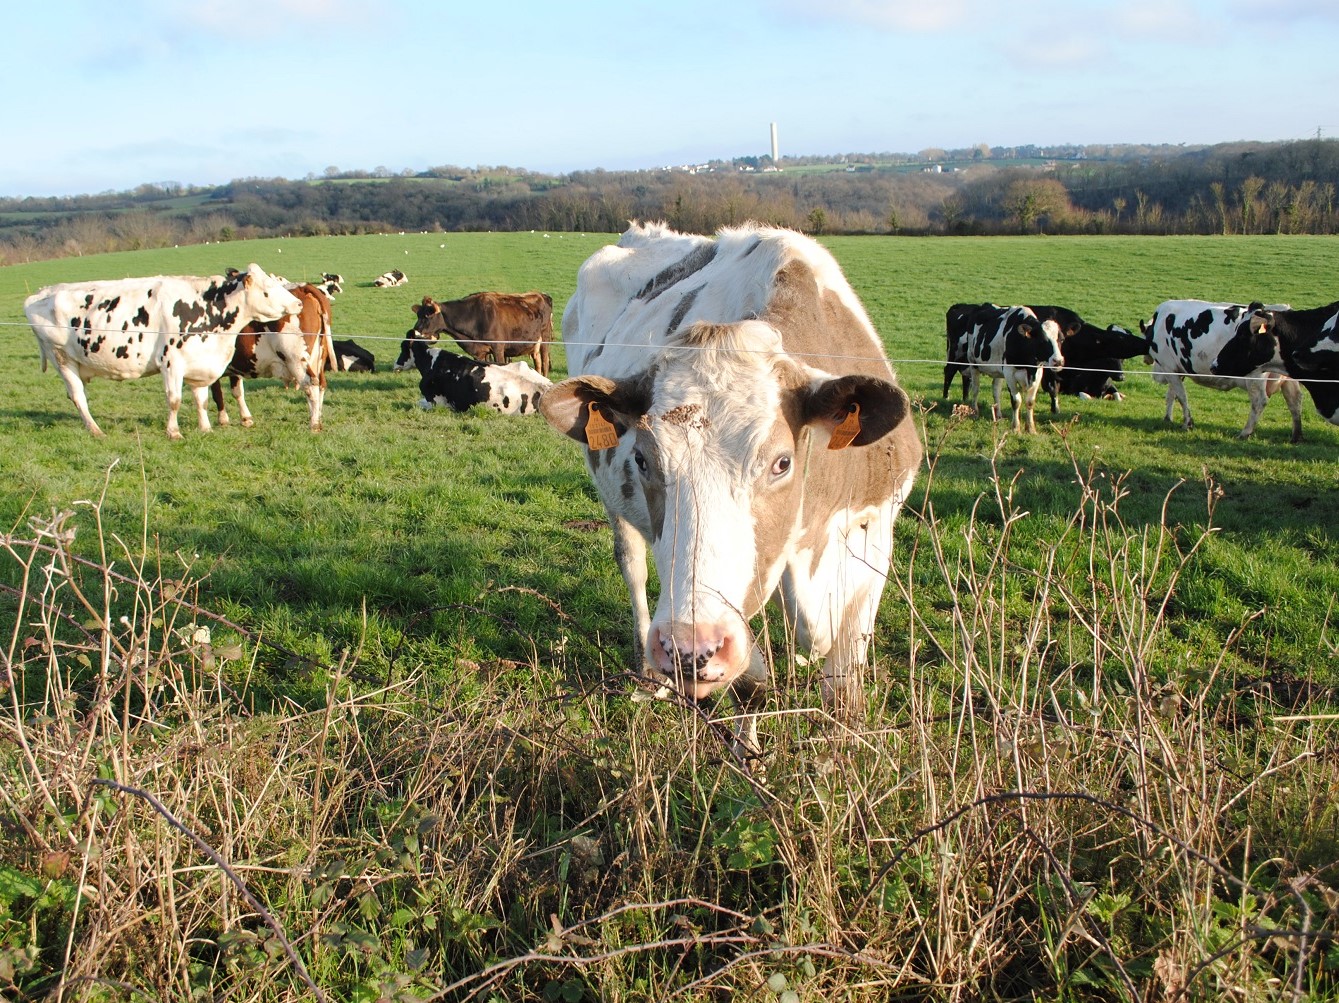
(1092, 354)
(1301, 344)
(350, 357)
(739, 418)
(394, 277)
(183, 326)
(1185, 336)
(1011, 345)
(958, 323)
(332, 285)
(449, 379)
(1093, 363)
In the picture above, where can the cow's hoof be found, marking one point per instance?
(248, 422)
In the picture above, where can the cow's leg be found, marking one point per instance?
(216, 394)
(315, 391)
(1255, 389)
(1292, 393)
(172, 383)
(833, 606)
(973, 386)
(995, 411)
(74, 389)
(201, 395)
(1176, 391)
(239, 395)
(630, 554)
(749, 693)
(1030, 392)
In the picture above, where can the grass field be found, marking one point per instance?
(1098, 760)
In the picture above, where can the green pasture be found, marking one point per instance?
(1097, 761)
(393, 510)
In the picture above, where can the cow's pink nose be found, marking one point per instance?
(689, 653)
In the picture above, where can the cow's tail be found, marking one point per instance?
(328, 341)
(544, 355)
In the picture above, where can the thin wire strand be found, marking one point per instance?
(819, 356)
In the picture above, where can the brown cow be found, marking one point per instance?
(297, 350)
(499, 326)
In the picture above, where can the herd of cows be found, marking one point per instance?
(247, 324)
(737, 412)
(1262, 349)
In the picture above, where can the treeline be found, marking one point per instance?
(1227, 189)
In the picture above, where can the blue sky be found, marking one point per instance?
(106, 96)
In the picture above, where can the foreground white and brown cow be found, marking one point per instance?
(1185, 336)
(738, 415)
(298, 350)
(182, 326)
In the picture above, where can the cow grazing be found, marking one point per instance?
(394, 277)
(1011, 345)
(350, 357)
(448, 379)
(1185, 336)
(714, 432)
(1093, 363)
(297, 350)
(497, 326)
(1301, 344)
(182, 326)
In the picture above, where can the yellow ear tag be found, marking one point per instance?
(600, 433)
(847, 430)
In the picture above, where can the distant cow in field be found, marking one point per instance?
(716, 440)
(1011, 345)
(1184, 338)
(394, 277)
(1303, 345)
(297, 350)
(496, 326)
(185, 327)
(331, 283)
(350, 357)
(448, 379)
(957, 325)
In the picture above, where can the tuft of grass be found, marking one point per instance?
(1049, 795)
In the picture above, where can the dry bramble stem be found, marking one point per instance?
(232, 876)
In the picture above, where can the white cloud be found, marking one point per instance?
(916, 16)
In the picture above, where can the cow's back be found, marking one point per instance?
(1186, 335)
(633, 295)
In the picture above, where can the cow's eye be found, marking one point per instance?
(781, 465)
(640, 459)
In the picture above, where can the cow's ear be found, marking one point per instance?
(1261, 321)
(866, 406)
(568, 406)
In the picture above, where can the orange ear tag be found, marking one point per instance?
(847, 430)
(600, 433)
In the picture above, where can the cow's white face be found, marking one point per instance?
(709, 466)
(264, 297)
